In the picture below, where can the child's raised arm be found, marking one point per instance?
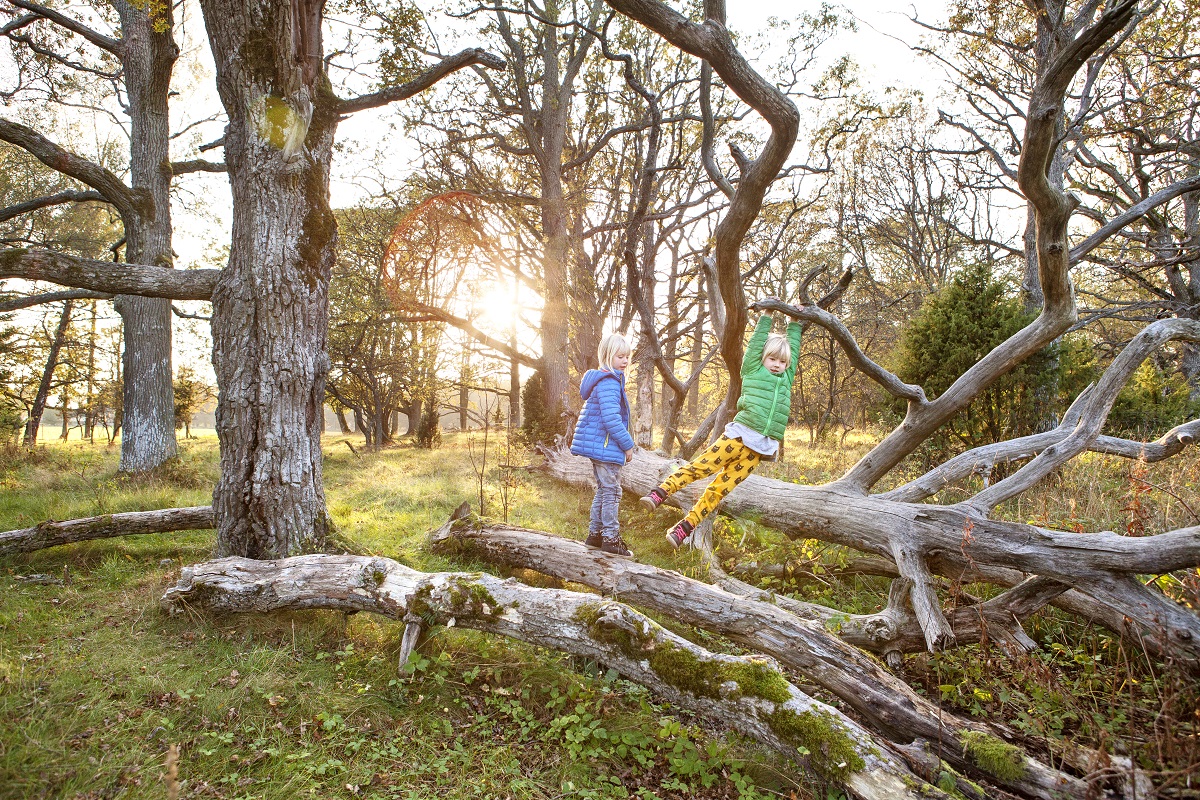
(794, 329)
(752, 360)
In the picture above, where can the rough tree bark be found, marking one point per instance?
(270, 303)
(148, 57)
(749, 694)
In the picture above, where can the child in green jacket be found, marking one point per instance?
(768, 369)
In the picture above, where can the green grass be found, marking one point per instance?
(96, 682)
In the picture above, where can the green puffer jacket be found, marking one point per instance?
(767, 399)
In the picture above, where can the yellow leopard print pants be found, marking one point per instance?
(730, 457)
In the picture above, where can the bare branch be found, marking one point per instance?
(915, 395)
(1093, 413)
(114, 46)
(51, 297)
(197, 165)
(69, 196)
(423, 81)
(110, 187)
(1134, 212)
(184, 315)
(106, 276)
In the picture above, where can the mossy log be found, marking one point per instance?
(748, 694)
(887, 705)
(1100, 568)
(49, 534)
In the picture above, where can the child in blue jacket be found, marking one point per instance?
(602, 435)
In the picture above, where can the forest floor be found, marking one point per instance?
(98, 687)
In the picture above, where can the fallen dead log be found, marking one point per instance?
(748, 694)
(49, 534)
(1099, 567)
(890, 706)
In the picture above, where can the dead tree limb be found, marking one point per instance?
(49, 534)
(748, 694)
(955, 540)
(107, 276)
(889, 706)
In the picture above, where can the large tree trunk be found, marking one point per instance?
(43, 391)
(270, 305)
(148, 407)
(751, 695)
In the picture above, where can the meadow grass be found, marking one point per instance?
(96, 683)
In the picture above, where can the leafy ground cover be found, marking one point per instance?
(104, 696)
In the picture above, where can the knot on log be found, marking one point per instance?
(879, 627)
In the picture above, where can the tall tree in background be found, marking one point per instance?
(136, 60)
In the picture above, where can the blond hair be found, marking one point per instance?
(610, 347)
(777, 346)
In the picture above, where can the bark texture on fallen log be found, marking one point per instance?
(49, 534)
(920, 538)
(889, 706)
(748, 694)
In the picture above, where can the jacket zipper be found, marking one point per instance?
(771, 413)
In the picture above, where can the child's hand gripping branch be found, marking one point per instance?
(768, 369)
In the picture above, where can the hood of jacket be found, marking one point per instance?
(592, 378)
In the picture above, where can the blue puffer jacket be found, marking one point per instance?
(603, 429)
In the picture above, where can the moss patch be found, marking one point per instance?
(994, 756)
(275, 119)
(684, 670)
(830, 750)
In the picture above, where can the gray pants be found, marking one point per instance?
(608, 497)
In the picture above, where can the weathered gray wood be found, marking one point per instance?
(955, 538)
(889, 706)
(748, 694)
(49, 534)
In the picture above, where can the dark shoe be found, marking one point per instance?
(593, 540)
(679, 533)
(617, 548)
(654, 499)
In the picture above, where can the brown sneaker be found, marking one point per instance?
(677, 535)
(617, 548)
(593, 540)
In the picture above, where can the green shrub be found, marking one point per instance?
(958, 326)
(1153, 402)
(540, 423)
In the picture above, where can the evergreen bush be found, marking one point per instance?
(540, 423)
(955, 328)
